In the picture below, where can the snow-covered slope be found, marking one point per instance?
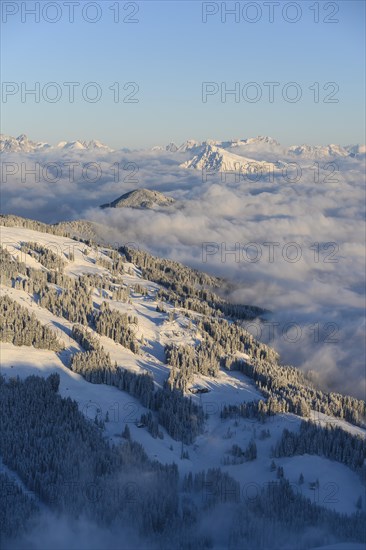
(155, 329)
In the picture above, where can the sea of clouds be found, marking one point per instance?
(317, 302)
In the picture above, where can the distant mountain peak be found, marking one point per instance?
(21, 144)
(318, 151)
(172, 147)
(141, 198)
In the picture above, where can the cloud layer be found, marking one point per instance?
(287, 227)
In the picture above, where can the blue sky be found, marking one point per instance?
(169, 53)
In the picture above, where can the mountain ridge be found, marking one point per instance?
(260, 143)
(140, 198)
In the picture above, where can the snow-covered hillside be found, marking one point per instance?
(237, 425)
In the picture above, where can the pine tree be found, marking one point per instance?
(126, 434)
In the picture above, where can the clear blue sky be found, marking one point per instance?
(169, 53)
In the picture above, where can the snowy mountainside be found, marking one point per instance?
(184, 340)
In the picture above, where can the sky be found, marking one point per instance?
(168, 53)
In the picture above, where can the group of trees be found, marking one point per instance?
(291, 387)
(64, 459)
(18, 511)
(331, 442)
(182, 419)
(139, 289)
(288, 387)
(117, 267)
(270, 515)
(291, 521)
(45, 256)
(186, 287)
(22, 328)
(114, 286)
(228, 338)
(87, 340)
(117, 326)
(73, 303)
(10, 267)
(260, 410)
(238, 455)
(112, 261)
(215, 486)
(95, 365)
(151, 424)
(185, 361)
(17, 274)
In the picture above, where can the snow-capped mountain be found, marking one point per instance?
(217, 159)
(317, 151)
(251, 144)
(259, 143)
(9, 144)
(189, 145)
(22, 144)
(73, 145)
(356, 151)
(266, 140)
(172, 147)
(264, 151)
(260, 148)
(83, 145)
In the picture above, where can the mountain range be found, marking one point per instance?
(22, 143)
(239, 147)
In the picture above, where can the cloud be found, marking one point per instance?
(60, 532)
